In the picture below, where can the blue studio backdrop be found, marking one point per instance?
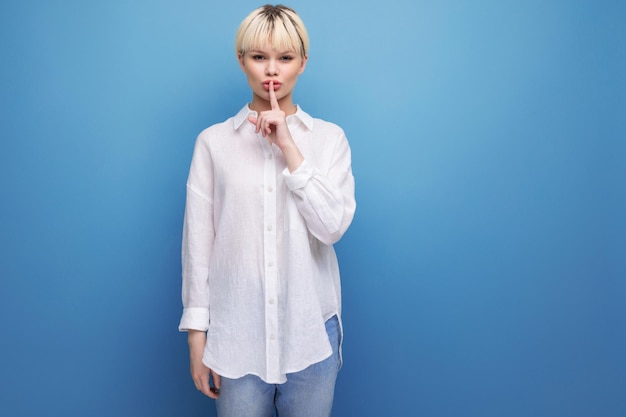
(484, 273)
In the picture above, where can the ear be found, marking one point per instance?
(241, 63)
(303, 65)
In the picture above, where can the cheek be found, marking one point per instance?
(293, 74)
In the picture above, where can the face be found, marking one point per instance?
(264, 64)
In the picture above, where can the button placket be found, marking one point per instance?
(271, 272)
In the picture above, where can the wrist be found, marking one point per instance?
(292, 155)
(196, 336)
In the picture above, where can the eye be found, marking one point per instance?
(286, 58)
(258, 57)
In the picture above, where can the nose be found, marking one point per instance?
(271, 68)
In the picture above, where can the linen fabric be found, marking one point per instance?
(308, 393)
(260, 274)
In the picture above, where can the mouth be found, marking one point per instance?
(266, 85)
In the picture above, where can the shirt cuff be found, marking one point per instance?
(298, 178)
(194, 319)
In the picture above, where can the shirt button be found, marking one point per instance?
(270, 156)
(270, 189)
(269, 228)
(271, 301)
(270, 263)
(273, 337)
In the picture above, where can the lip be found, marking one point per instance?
(266, 85)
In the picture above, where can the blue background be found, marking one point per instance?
(484, 273)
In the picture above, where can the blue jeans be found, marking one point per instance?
(308, 393)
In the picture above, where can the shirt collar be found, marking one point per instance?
(300, 115)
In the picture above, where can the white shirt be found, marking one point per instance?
(260, 274)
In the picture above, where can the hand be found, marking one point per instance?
(273, 125)
(200, 374)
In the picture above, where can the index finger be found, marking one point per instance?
(273, 99)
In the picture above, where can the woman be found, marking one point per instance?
(269, 192)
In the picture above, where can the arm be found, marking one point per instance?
(198, 237)
(325, 200)
(197, 246)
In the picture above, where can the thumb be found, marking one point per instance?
(217, 380)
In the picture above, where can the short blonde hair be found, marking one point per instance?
(278, 25)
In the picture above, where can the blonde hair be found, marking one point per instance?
(278, 25)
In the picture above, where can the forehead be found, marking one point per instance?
(271, 42)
